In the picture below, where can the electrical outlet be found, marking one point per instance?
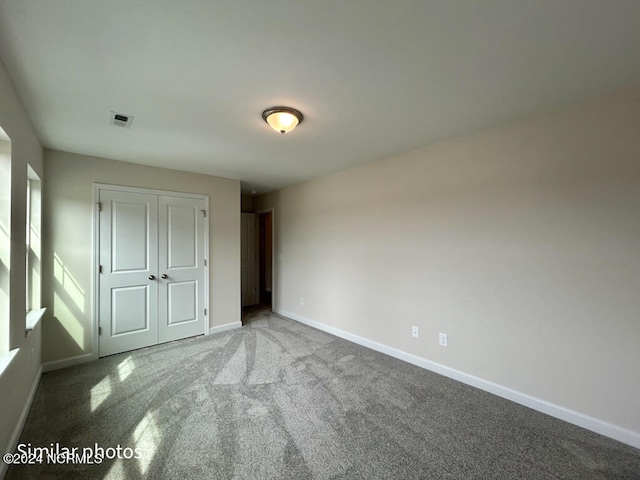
(414, 332)
(301, 300)
(443, 339)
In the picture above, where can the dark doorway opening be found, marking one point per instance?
(265, 260)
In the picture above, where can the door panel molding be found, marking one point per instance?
(138, 290)
(181, 219)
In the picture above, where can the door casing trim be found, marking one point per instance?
(95, 261)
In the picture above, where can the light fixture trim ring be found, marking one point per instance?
(292, 111)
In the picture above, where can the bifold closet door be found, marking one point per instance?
(129, 265)
(181, 263)
(152, 269)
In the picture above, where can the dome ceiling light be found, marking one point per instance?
(282, 119)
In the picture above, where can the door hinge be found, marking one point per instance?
(100, 269)
(99, 206)
(99, 330)
(205, 312)
(205, 262)
(204, 213)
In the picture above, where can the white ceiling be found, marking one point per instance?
(372, 77)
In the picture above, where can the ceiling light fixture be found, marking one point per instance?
(282, 119)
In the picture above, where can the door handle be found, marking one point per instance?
(164, 275)
(152, 277)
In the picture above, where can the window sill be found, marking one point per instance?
(33, 317)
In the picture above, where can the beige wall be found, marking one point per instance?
(521, 243)
(68, 210)
(17, 381)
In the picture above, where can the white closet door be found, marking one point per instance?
(152, 269)
(129, 264)
(181, 268)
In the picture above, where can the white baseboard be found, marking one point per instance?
(225, 327)
(17, 431)
(602, 427)
(68, 362)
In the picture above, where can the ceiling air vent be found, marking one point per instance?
(121, 120)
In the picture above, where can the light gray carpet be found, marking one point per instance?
(279, 400)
